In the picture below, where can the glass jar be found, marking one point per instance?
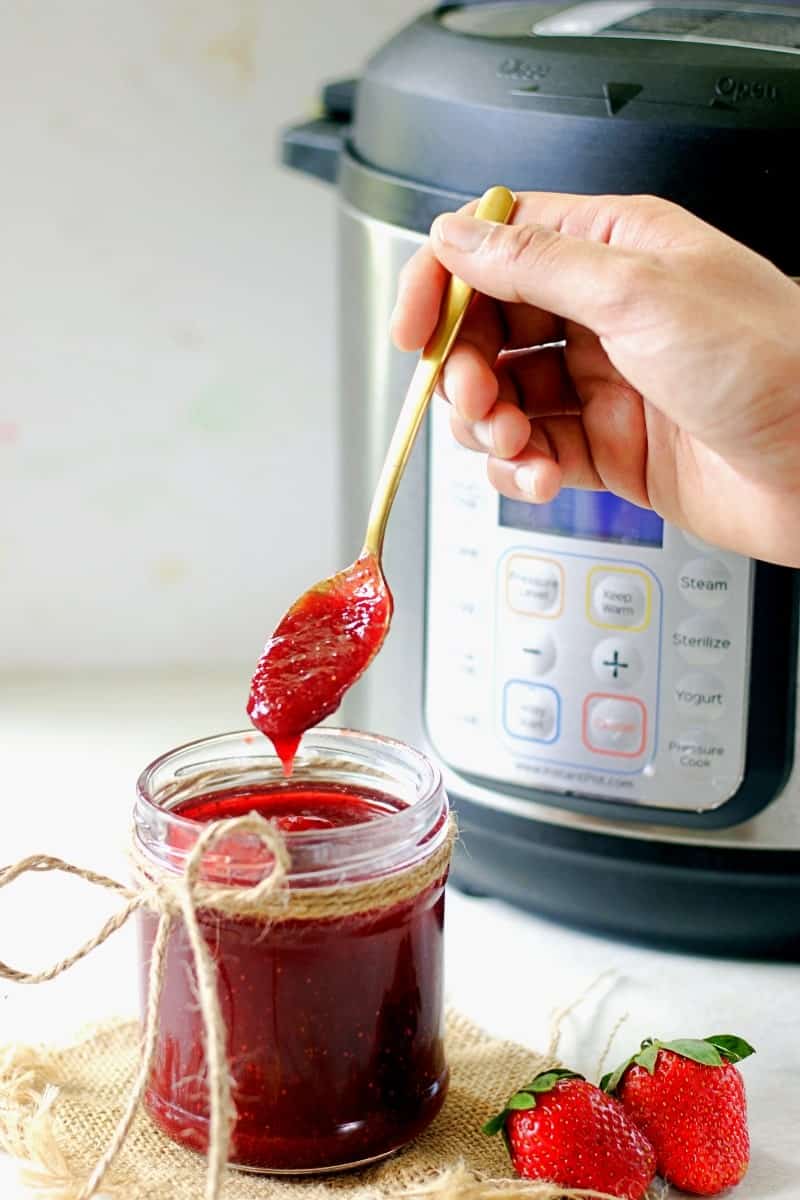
(334, 1024)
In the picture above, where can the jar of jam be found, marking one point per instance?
(333, 1005)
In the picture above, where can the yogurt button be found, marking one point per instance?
(700, 695)
(705, 582)
(701, 641)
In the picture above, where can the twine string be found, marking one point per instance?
(172, 896)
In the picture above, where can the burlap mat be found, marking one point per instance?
(59, 1108)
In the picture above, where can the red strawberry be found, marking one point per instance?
(688, 1098)
(566, 1131)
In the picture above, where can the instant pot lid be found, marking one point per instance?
(513, 92)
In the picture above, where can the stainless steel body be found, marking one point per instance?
(390, 698)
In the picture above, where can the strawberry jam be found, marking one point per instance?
(334, 1025)
(320, 648)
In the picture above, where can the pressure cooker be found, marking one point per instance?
(611, 700)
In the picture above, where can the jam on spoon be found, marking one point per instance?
(322, 645)
(330, 635)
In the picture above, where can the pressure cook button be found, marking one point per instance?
(534, 586)
(615, 661)
(701, 695)
(612, 725)
(698, 752)
(705, 582)
(620, 600)
(531, 711)
(701, 641)
(536, 656)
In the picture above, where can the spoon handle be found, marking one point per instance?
(495, 205)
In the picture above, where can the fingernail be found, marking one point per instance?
(525, 480)
(460, 232)
(482, 432)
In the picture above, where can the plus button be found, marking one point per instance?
(615, 664)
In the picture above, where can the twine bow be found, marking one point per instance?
(174, 896)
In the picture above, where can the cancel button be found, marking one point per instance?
(697, 752)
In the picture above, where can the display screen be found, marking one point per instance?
(596, 516)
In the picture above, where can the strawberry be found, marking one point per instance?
(688, 1098)
(568, 1132)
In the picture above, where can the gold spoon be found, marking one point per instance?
(330, 635)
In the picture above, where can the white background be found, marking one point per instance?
(168, 448)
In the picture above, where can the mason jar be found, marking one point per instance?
(332, 1002)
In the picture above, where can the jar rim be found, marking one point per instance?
(391, 841)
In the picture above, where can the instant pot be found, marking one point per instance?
(612, 701)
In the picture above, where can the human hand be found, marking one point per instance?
(678, 382)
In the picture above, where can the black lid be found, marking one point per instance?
(472, 95)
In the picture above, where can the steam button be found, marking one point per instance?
(705, 582)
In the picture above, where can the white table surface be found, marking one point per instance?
(70, 750)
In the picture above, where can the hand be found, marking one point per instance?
(677, 385)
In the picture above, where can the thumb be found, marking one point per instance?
(583, 281)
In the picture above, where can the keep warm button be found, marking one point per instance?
(619, 599)
(700, 695)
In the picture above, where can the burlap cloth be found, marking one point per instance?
(59, 1108)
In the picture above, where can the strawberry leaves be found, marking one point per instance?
(525, 1098)
(712, 1051)
(730, 1047)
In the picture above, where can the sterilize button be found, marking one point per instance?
(534, 586)
(705, 582)
(701, 695)
(616, 662)
(701, 641)
(531, 711)
(612, 725)
(699, 752)
(536, 655)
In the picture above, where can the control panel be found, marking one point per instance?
(582, 647)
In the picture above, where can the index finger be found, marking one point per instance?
(420, 289)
